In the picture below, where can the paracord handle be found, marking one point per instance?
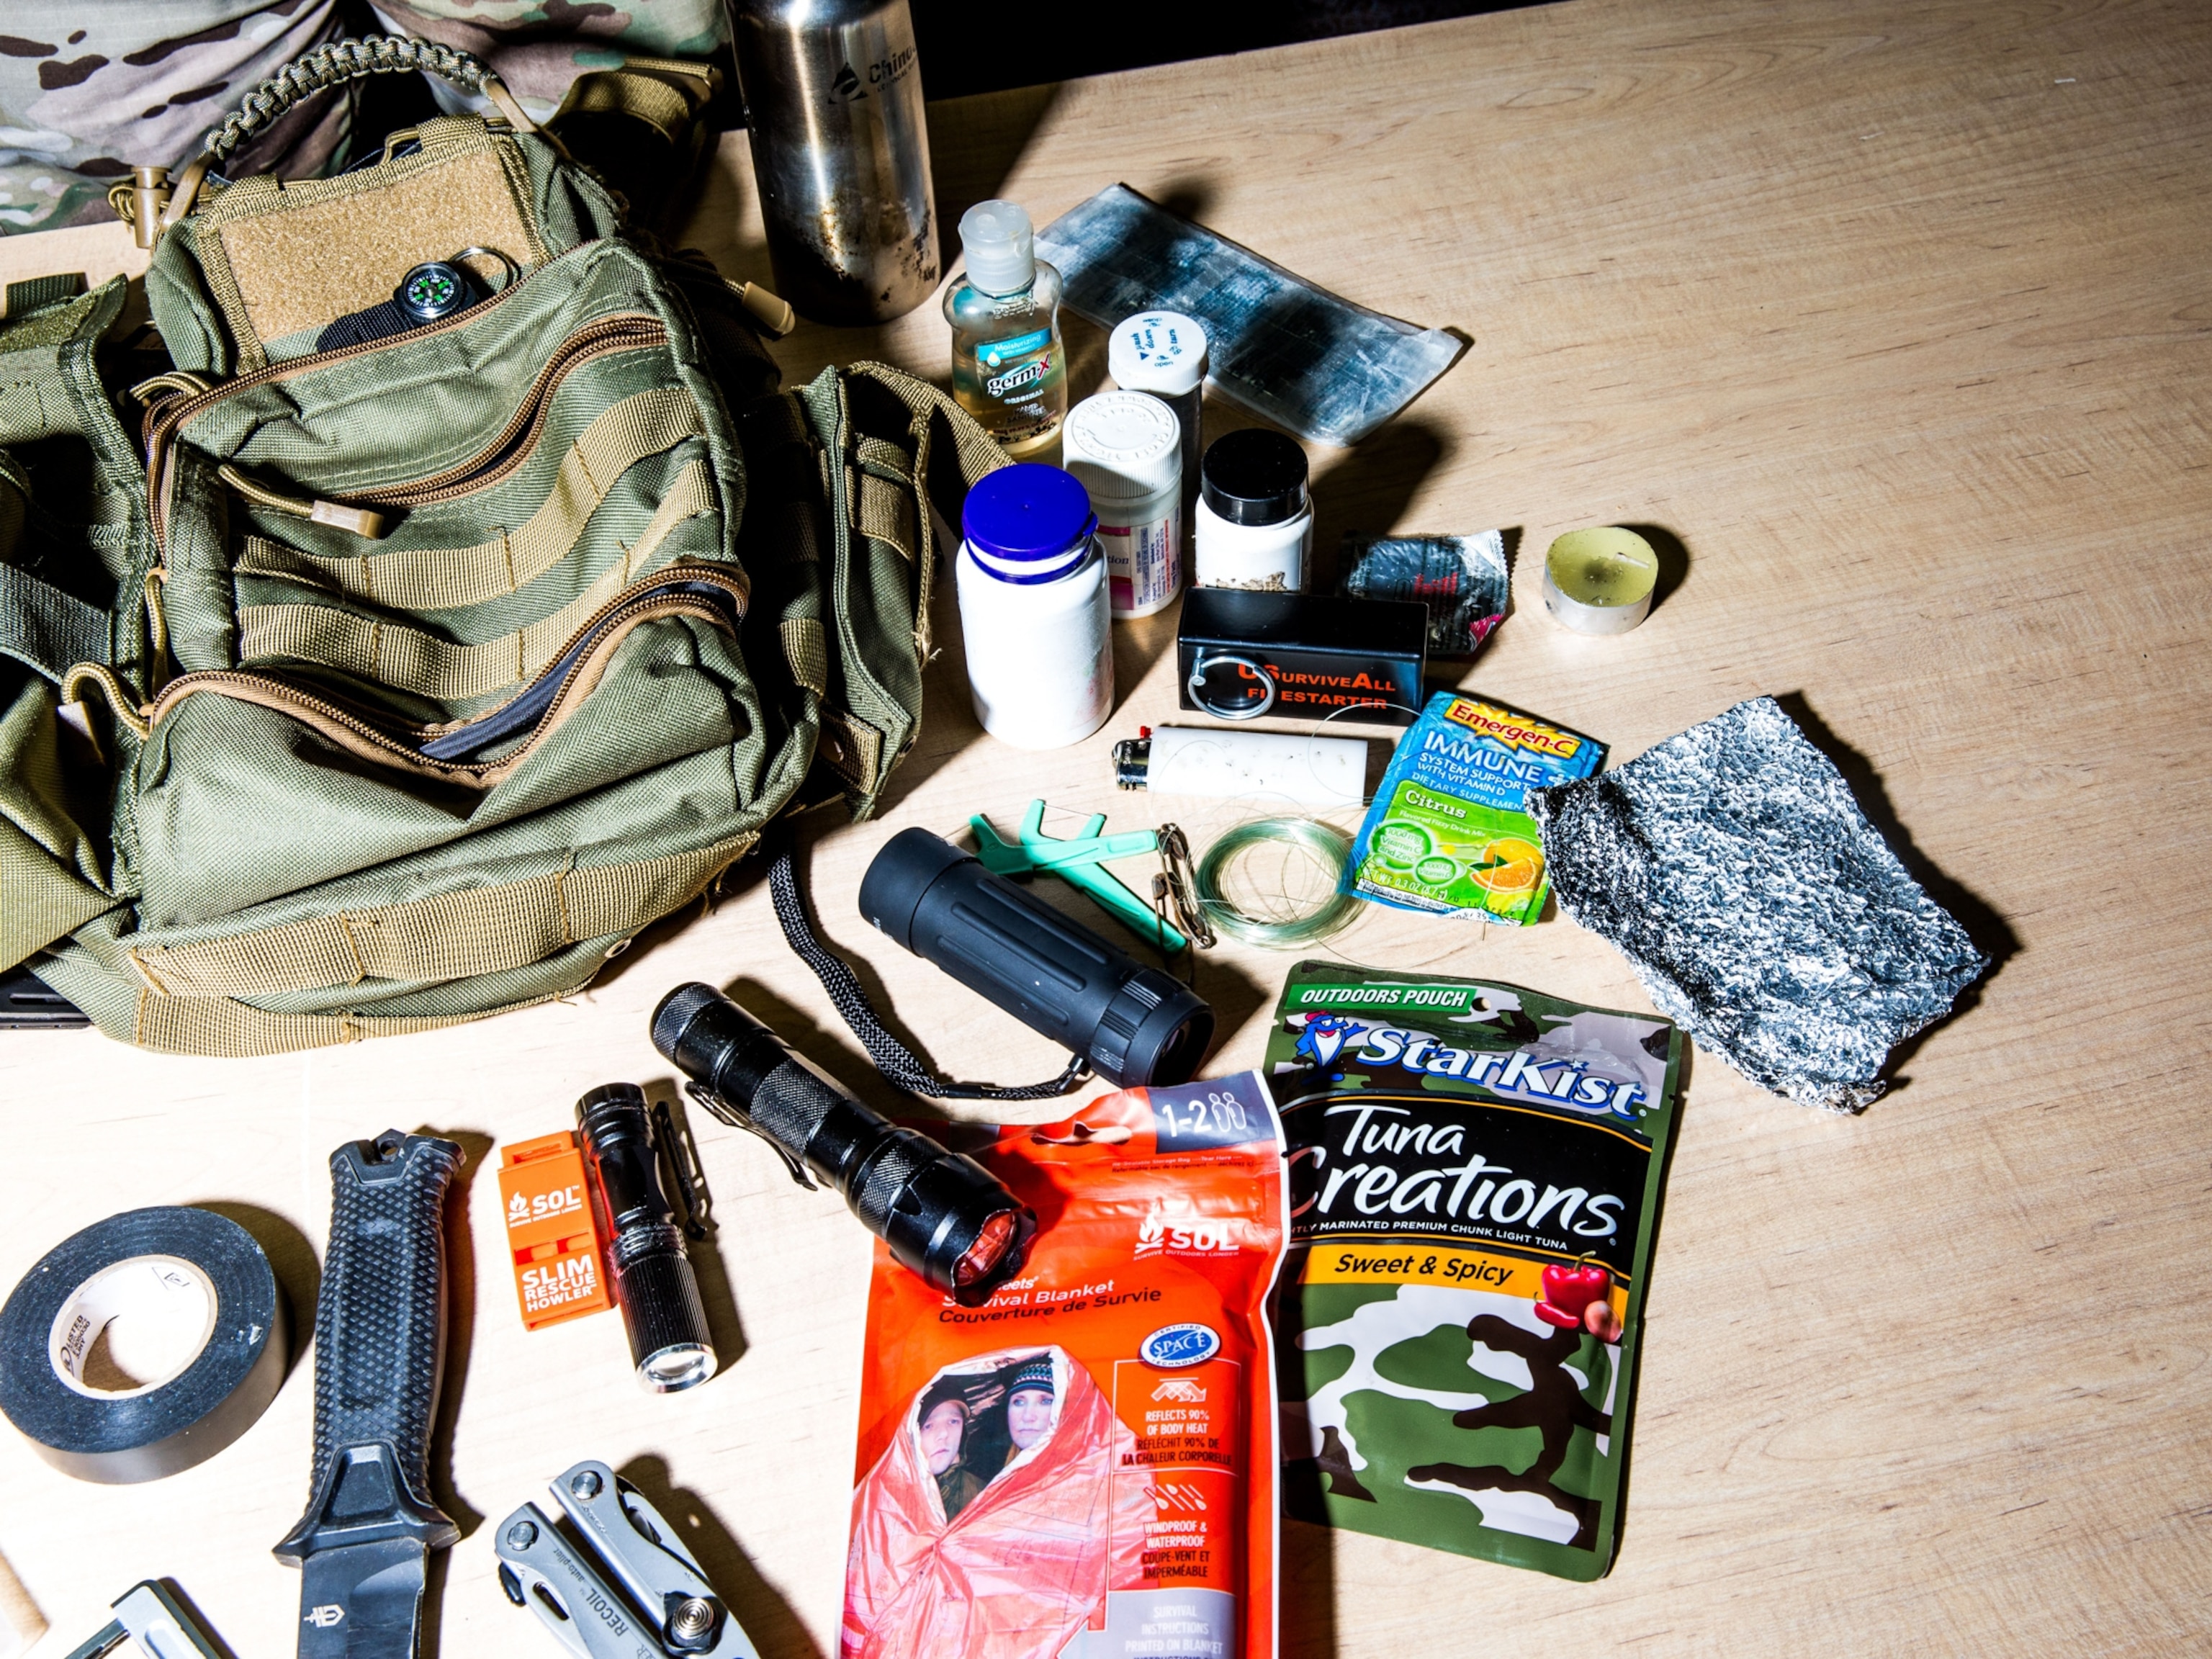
(341, 61)
(379, 1337)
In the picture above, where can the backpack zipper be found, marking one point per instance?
(168, 414)
(658, 595)
(517, 442)
(623, 332)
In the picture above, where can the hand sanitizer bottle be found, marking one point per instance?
(1009, 368)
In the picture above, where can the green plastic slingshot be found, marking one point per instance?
(1076, 859)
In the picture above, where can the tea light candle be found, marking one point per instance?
(1600, 581)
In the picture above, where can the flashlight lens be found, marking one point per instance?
(985, 1254)
(676, 1368)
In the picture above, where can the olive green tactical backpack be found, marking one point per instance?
(268, 782)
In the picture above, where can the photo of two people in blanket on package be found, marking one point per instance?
(971, 1427)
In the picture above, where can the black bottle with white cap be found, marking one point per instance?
(1254, 518)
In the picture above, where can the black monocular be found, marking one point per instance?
(943, 1214)
(1136, 1024)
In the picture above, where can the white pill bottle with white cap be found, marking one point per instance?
(1163, 352)
(1125, 446)
(1033, 618)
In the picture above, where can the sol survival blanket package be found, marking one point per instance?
(1475, 1174)
(1084, 1467)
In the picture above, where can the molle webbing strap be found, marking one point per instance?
(886, 512)
(884, 505)
(806, 650)
(236, 1030)
(46, 628)
(411, 660)
(479, 930)
(441, 579)
(33, 292)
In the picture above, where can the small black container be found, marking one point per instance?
(1242, 653)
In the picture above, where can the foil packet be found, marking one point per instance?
(1732, 869)
(1293, 353)
(1476, 1172)
(1461, 579)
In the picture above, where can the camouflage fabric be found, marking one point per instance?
(538, 46)
(88, 92)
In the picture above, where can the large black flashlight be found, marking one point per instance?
(1135, 1024)
(943, 1215)
(646, 1269)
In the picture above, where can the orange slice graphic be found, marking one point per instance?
(1509, 864)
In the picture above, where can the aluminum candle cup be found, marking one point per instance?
(1600, 581)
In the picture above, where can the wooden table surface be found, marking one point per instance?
(1899, 317)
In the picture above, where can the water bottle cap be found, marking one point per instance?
(1000, 245)
(1162, 351)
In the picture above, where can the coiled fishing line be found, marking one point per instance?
(1277, 917)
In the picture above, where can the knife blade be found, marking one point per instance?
(364, 1543)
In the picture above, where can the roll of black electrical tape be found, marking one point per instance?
(193, 1292)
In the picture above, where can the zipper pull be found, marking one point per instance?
(362, 521)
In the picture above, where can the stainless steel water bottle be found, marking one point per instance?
(841, 154)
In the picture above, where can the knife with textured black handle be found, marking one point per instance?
(379, 1347)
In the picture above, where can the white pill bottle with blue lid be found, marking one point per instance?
(1032, 581)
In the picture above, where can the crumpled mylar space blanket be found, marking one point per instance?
(1761, 910)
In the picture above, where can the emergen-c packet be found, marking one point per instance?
(1445, 832)
(1475, 1174)
(1084, 1467)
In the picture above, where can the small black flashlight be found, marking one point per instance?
(1135, 1024)
(646, 1269)
(943, 1215)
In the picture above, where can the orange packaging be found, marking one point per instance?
(560, 1270)
(1084, 1466)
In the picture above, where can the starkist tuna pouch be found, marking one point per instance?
(1084, 1466)
(1475, 1174)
